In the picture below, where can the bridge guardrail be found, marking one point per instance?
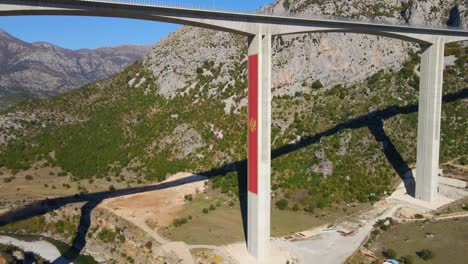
(190, 5)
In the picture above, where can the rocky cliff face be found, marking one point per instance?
(42, 69)
(332, 58)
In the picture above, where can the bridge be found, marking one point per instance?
(259, 29)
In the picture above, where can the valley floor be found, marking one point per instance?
(338, 233)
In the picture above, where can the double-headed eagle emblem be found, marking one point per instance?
(252, 125)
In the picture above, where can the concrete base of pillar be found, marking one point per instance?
(241, 254)
(450, 190)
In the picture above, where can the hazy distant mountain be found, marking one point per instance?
(42, 69)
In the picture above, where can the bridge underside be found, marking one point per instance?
(260, 30)
(238, 23)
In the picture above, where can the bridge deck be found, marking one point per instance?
(234, 21)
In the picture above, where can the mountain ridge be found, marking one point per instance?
(42, 69)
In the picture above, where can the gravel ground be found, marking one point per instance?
(46, 250)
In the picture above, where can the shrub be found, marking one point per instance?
(188, 198)
(295, 208)
(317, 85)
(231, 203)
(7, 180)
(179, 222)
(425, 254)
(149, 244)
(212, 207)
(111, 188)
(390, 253)
(418, 216)
(407, 259)
(310, 209)
(282, 204)
(205, 210)
(29, 177)
(106, 235)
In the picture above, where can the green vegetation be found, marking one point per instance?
(390, 253)
(425, 254)
(7, 253)
(224, 225)
(418, 216)
(179, 221)
(8, 180)
(188, 198)
(384, 224)
(317, 85)
(411, 244)
(282, 204)
(121, 128)
(407, 260)
(314, 86)
(106, 235)
(39, 225)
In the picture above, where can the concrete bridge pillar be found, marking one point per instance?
(259, 145)
(430, 107)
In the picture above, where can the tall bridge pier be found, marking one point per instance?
(259, 144)
(429, 114)
(259, 29)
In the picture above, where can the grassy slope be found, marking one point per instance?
(407, 239)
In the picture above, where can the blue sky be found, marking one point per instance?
(93, 32)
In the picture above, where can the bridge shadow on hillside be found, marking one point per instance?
(373, 120)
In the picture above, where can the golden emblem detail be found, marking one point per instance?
(252, 125)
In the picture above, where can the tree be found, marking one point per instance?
(282, 204)
(425, 254)
(317, 85)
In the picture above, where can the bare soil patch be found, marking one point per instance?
(158, 207)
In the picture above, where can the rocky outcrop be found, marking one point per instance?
(41, 69)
